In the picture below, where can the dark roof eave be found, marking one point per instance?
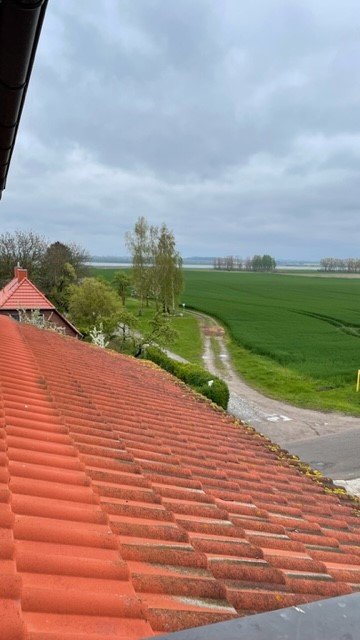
(69, 324)
(20, 26)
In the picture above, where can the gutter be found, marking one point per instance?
(20, 27)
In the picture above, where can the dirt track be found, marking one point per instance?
(282, 422)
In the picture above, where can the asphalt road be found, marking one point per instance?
(335, 455)
(329, 442)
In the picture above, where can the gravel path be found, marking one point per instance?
(311, 433)
(280, 421)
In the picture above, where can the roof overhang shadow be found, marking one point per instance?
(20, 27)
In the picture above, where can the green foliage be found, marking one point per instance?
(25, 248)
(188, 342)
(116, 343)
(52, 267)
(108, 274)
(267, 263)
(141, 244)
(127, 324)
(93, 302)
(193, 375)
(160, 332)
(234, 263)
(296, 337)
(263, 263)
(62, 265)
(168, 270)
(122, 284)
(156, 265)
(59, 292)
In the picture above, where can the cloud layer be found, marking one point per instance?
(235, 123)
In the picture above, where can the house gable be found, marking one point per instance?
(21, 293)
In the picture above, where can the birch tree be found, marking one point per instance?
(138, 242)
(157, 265)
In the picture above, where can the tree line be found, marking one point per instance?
(347, 265)
(52, 267)
(96, 307)
(99, 309)
(256, 263)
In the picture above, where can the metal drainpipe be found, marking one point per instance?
(20, 27)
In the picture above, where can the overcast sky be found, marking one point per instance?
(237, 123)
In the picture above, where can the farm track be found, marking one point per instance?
(294, 428)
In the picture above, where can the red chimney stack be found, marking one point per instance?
(20, 273)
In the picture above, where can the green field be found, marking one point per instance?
(296, 337)
(293, 337)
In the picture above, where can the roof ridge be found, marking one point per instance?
(7, 289)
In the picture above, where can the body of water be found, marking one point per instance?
(127, 265)
(298, 267)
(282, 267)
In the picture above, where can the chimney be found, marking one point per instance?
(20, 273)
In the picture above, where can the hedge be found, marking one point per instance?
(193, 375)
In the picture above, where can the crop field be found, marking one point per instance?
(294, 337)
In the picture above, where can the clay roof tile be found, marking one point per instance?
(129, 507)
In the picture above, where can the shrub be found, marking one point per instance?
(193, 375)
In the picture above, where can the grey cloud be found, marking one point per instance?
(236, 123)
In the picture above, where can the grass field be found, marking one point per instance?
(188, 344)
(295, 337)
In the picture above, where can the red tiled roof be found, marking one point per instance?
(23, 295)
(130, 507)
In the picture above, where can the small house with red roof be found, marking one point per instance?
(21, 294)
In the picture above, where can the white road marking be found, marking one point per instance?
(276, 418)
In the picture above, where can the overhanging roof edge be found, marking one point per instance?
(16, 63)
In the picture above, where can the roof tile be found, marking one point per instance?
(23, 295)
(130, 507)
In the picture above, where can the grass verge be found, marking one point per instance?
(285, 384)
(293, 338)
(216, 349)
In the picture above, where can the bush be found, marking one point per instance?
(193, 375)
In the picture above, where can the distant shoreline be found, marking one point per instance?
(282, 270)
(203, 265)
